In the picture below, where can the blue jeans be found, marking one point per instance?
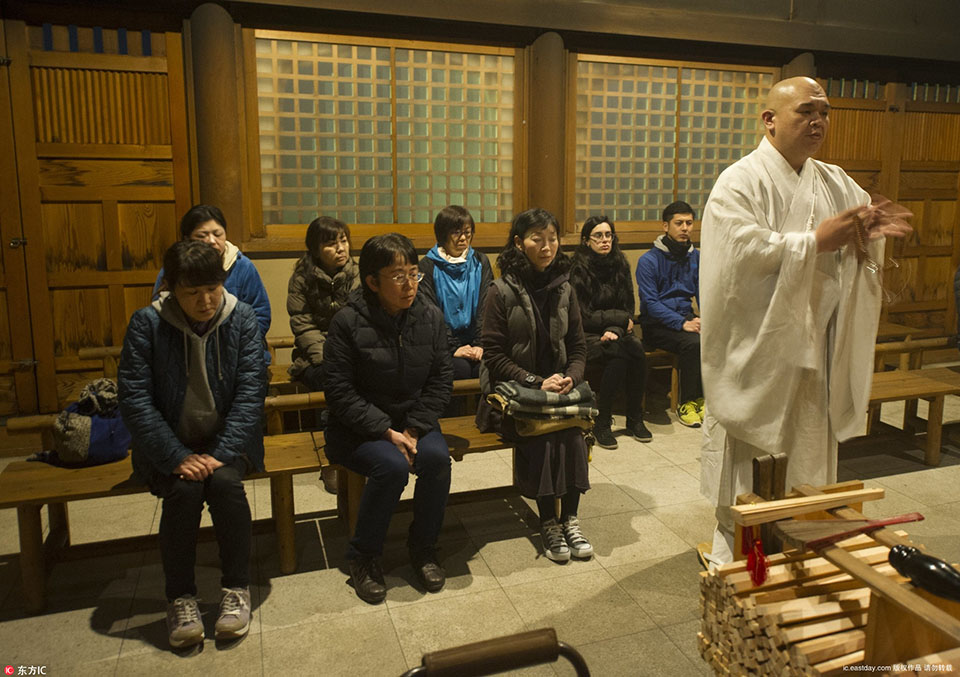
(387, 473)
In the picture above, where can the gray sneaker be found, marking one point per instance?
(554, 546)
(183, 622)
(234, 618)
(579, 545)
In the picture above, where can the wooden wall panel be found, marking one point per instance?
(111, 40)
(6, 349)
(8, 396)
(146, 230)
(81, 318)
(73, 235)
(135, 298)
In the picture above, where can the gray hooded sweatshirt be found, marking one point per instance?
(199, 421)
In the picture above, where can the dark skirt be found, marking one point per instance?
(550, 464)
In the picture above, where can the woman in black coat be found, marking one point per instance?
(387, 380)
(601, 276)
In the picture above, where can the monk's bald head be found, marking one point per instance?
(786, 91)
(796, 118)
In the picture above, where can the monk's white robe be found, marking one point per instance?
(788, 334)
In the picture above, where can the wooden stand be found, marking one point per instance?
(841, 609)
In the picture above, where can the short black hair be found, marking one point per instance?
(449, 219)
(198, 215)
(324, 229)
(192, 263)
(381, 251)
(678, 207)
(592, 223)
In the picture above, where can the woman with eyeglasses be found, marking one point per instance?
(455, 279)
(387, 379)
(532, 334)
(601, 276)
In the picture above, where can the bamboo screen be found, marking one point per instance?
(649, 133)
(385, 133)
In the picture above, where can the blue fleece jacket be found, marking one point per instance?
(666, 286)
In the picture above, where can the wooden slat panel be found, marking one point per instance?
(146, 230)
(81, 317)
(100, 106)
(932, 136)
(97, 174)
(854, 135)
(868, 180)
(134, 298)
(73, 237)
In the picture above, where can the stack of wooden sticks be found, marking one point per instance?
(808, 617)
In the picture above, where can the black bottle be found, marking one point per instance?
(932, 574)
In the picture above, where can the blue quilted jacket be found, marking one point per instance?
(152, 381)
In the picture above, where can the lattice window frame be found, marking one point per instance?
(402, 155)
(680, 135)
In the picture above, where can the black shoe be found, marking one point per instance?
(368, 579)
(605, 438)
(428, 570)
(639, 431)
(329, 476)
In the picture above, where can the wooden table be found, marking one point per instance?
(890, 331)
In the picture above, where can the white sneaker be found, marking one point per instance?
(554, 545)
(579, 545)
(234, 619)
(184, 625)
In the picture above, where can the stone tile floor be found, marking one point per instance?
(631, 610)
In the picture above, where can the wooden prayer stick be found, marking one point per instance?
(817, 534)
(770, 511)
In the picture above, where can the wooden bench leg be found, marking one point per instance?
(909, 415)
(59, 525)
(356, 483)
(281, 498)
(33, 566)
(674, 385)
(934, 431)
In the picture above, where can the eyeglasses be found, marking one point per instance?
(600, 237)
(412, 278)
(457, 234)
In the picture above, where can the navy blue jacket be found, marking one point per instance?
(665, 287)
(152, 380)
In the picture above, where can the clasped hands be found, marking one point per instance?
(557, 383)
(881, 218)
(197, 467)
(405, 442)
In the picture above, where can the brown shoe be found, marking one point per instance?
(329, 476)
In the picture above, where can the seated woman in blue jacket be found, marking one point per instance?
(456, 278)
(191, 389)
(387, 380)
(206, 223)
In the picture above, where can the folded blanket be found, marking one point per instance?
(512, 390)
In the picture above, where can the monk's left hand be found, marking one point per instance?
(884, 218)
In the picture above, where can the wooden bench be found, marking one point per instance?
(926, 384)
(910, 351)
(28, 486)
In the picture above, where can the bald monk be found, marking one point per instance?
(790, 290)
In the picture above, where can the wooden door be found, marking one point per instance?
(99, 119)
(18, 389)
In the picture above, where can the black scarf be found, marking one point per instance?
(678, 250)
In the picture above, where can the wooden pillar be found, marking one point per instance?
(213, 42)
(546, 132)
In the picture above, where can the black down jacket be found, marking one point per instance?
(383, 373)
